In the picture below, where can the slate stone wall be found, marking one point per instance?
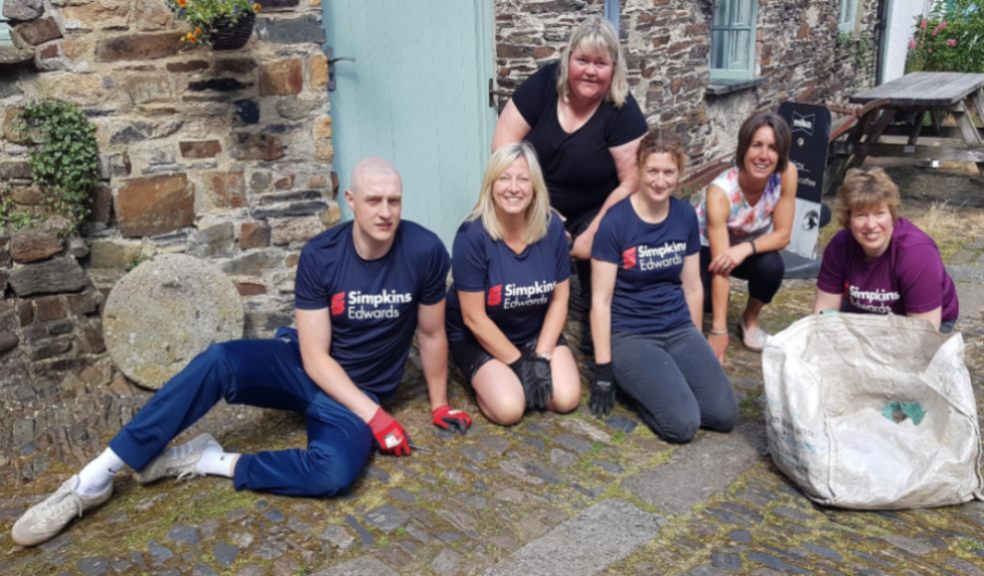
(223, 155)
(799, 55)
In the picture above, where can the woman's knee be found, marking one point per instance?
(500, 395)
(566, 381)
(722, 416)
(676, 422)
(678, 428)
(566, 397)
(503, 411)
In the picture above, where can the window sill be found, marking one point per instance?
(723, 87)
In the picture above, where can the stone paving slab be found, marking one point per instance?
(698, 470)
(365, 566)
(601, 535)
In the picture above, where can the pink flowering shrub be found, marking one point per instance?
(949, 38)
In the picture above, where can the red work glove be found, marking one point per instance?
(390, 436)
(449, 419)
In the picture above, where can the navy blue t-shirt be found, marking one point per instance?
(648, 297)
(517, 287)
(578, 167)
(372, 303)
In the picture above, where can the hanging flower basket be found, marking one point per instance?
(221, 24)
(227, 35)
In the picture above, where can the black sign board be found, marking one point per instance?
(810, 126)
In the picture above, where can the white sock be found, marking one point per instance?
(99, 473)
(216, 462)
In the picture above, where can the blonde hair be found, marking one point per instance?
(596, 35)
(865, 187)
(537, 213)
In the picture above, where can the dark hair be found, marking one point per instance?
(656, 142)
(780, 130)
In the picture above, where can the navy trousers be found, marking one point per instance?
(265, 373)
(677, 383)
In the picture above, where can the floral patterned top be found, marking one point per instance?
(745, 222)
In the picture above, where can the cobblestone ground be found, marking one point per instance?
(552, 495)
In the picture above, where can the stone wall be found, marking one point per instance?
(799, 56)
(223, 155)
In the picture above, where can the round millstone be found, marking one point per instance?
(165, 312)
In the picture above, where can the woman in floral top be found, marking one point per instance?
(746, 217)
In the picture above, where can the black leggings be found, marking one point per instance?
(764, 272)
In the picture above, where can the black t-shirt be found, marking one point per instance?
(578, 167)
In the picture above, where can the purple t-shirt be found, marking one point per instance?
(909, 278)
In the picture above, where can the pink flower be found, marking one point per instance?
(923, 24)
(951, 42)
(939, 27)
(912, 43)
(930, 50)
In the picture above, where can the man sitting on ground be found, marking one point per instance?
(362, 289)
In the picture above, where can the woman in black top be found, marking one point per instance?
(585, 127)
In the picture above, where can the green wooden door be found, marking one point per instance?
(417, 95)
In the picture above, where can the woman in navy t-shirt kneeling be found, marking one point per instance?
(508, 304)
(646, 306)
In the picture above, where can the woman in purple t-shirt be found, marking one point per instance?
(881, 263)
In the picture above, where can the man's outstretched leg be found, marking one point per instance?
(259, 372)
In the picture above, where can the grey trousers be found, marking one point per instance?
(677, 383)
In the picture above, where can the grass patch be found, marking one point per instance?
(949, 226)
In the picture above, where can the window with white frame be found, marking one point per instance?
(848, 12)
(733, 39)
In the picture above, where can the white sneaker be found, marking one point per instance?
(45, 520)
(752, 338)
(178, 461)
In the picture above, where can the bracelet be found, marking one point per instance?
(714, 332)
(754, 249)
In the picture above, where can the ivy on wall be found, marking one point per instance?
(64, 162)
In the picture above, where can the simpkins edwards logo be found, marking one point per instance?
(645, 257)
(359, 305)
(515, 296)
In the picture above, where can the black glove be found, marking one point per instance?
(602, 390)
(540, 390)
(524, 371)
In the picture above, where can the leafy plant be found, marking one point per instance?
(863, 51)
(64, 158)
(11, 215)
(202, 15)
(950, 38)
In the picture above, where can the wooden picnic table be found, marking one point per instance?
(901, 108)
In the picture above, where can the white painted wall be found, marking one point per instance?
(901, 25)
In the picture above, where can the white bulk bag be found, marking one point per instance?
(844, 392)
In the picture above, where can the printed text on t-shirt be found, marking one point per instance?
(878, 301)
(654, 257)
(367, 306)
(515, 296)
